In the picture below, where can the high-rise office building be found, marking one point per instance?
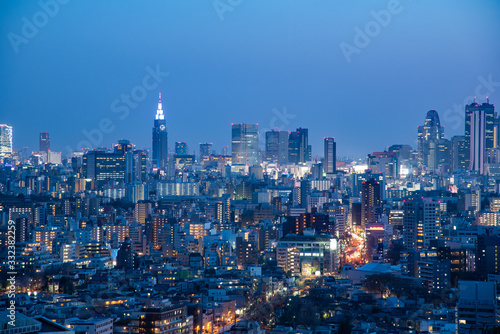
(44, 142)
(5, 139)
(487, 256)
(421, 222)
(430, 136)
(370, 201)
(181, 148)
(245, 144)
(329, 164)
(458, 153)
(135, 166)
(277, 146)
(479, 133)
(299, 150)
(102, 166)
(444, 153)
(205, 151)
(160, 138)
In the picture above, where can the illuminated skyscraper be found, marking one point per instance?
(245, 144)
(5, 139)
(160, 138)
(44, 142)
(479, 133)
(277, 146)
(329, 163)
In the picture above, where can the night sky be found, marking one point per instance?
(276, 63)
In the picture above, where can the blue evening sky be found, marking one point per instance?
(276, 63)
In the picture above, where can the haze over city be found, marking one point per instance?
(239, 64)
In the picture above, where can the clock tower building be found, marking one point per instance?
(160, 141)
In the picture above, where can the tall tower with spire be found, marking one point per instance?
(160, 138)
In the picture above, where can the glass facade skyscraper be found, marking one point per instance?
(5, 139)
(245, 144)
(431, 141)
(299, 150)
(479, 133)
(277, 146)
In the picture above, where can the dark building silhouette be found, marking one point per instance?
(246, 252)
(44, 142)
(370, 201)
(125, 258)
(356, 213)
(205, 151)
(329, 163)
(299, 150)
(459, 153)
(487, 256)
(297, 224)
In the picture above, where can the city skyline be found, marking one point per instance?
(249, 167)
(315, 86)
(432, 146)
